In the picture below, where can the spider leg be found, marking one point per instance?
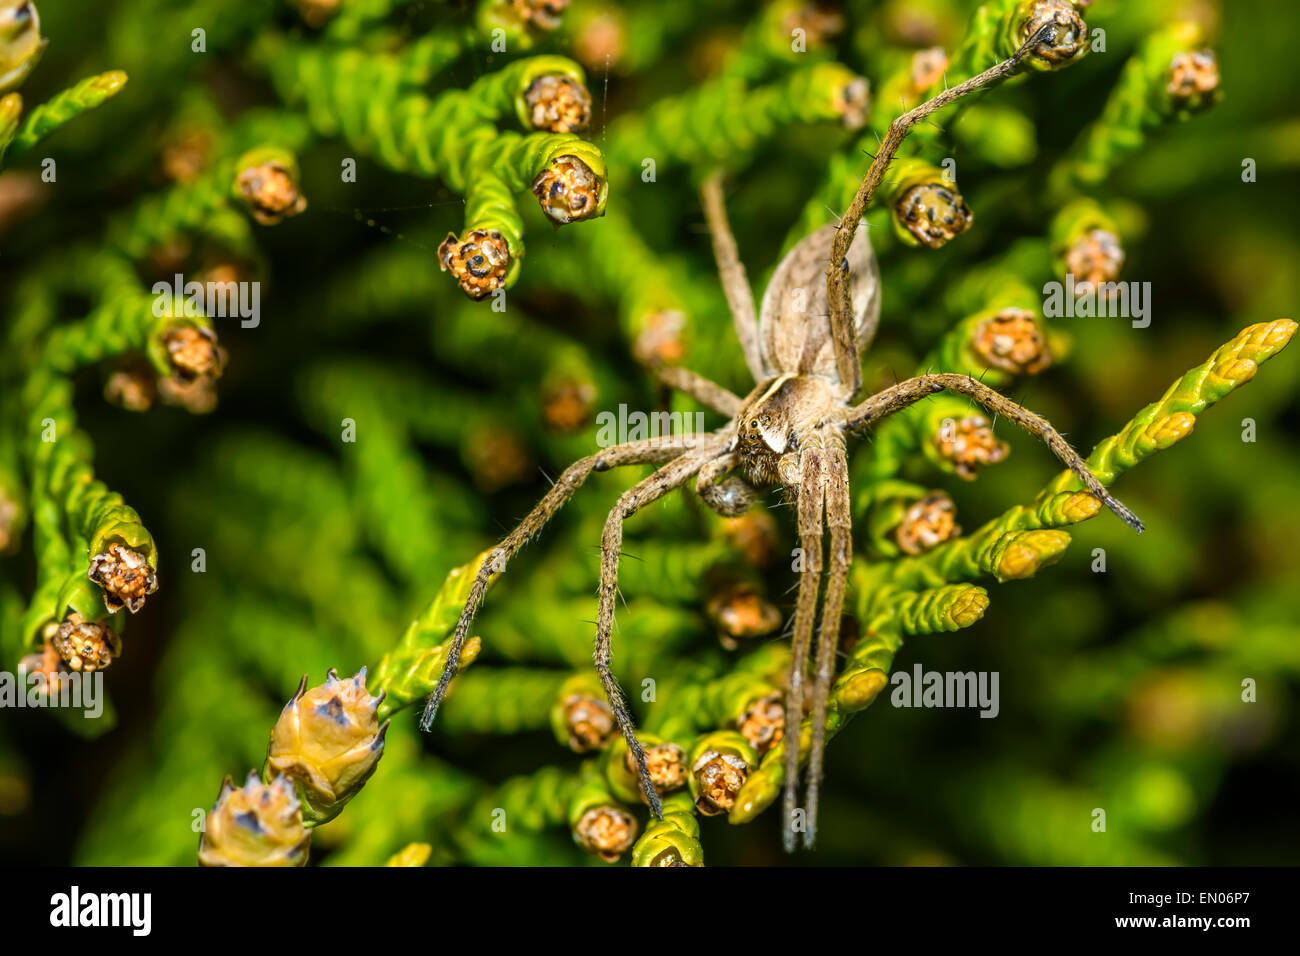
(670, 476)
(730, 497)
(839, 522)
(740, 298)
(810, 498)
(629, 453)
(837, 270)
(897, 397)
(708, 393)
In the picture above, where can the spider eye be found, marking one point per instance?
(753, 423)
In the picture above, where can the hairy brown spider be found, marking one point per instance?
(803, 352)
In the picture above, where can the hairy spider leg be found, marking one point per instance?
(670, 476)
(897, 397)
(650, 450)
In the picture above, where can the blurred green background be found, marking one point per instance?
(1118, 690)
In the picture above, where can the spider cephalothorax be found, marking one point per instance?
(802, 348)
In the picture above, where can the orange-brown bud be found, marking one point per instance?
(568, 190)
(933, 213)
(762, 723)
(85, 646)
(270, 190)
(927, 524)
(557, 104)
(720, 777)
(258, 825)
(666, 763)
(607, 832)
(969, 444)
(328, 741)
(125, 577)
(589, 722)
(1013, 342)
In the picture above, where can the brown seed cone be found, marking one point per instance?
(568, 190)
(258, 825)
(1013, 342)
(589, 721)
(193, 352)
(607, 832)
(927, 524)
(666, 763)
(270, 192)
(1070, 39)
(1096, 257)
(85, 646)
(933, 213)
(720, 777)
(762, 723)
(124, 576)
(479, 262)
(971, 445)
(557, 104)
(328, 741)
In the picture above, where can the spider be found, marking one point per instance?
(789, 431)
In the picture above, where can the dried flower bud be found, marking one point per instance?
(270, 190)
(258, 825)
(601, 41)
(21, 43)
(131, 387)
(124, 576)
(1095, 258)
(543, 14)
(86, 646)
(928, 68)
(558, 104)
(1013, 342)
(193, 352)
(666, 763)
(479, 262)
(187, 154)
(933, 213)
(567, 404)
(660, 340)
(969, 443)
(852, 102)
(568, 190)
(762, 722)
(589, 722)
(1194, 80)
(928, 523)
(607, 832)
(328, 741)
(719, 777)
(741, 613)
(1064, 43)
